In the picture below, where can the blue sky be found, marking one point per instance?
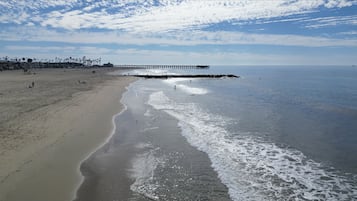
(232, 32)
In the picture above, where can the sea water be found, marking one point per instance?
(275, 133)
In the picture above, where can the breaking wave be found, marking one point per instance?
(142, 171)
(251, 168)
(178, 82)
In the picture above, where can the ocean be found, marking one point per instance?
(275, 133)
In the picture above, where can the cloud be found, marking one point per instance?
(192, 57)
(143, 56)
(38, 48)
(339, 3)
(67, 49)
(180, 38)
(153, 15)
(86, 26)
(50, 52)
(22, 11)
(348, 33)
(330, 21)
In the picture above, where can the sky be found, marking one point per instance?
(214, 32)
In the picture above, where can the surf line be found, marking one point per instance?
(125, 107)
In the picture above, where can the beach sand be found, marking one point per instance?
(48, 130)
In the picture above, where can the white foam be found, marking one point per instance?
(143, 146)
(192, 90)
(149, 72)
(253, 169)
(184, 87)
(148, 113)
(176, 80)
(172, 81)
(142, 171)
(148, 129)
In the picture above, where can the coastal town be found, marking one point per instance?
(24, 63)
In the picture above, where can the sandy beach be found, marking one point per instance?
(47, 130)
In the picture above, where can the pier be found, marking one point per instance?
(186, 76)
(164, 66)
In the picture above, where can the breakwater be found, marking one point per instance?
(164, 66)
(187, 76)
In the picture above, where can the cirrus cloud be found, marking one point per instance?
(153, 16)
(182, 38)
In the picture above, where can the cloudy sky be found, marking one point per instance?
(239, 32)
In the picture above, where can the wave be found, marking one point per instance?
(253, 169)
(142, 171)
(177, 82)
(150, 71)
(173, 82)
(148, 113)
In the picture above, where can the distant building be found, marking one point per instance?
(108, 65)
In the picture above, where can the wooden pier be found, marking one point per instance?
(186, 76)
(164, 66)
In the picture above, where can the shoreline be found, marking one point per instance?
(62, 135)
(106, 140)
(148, 158)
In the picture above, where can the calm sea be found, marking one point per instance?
(276, 133)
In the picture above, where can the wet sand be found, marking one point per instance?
(46, 131)
(148, 159)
